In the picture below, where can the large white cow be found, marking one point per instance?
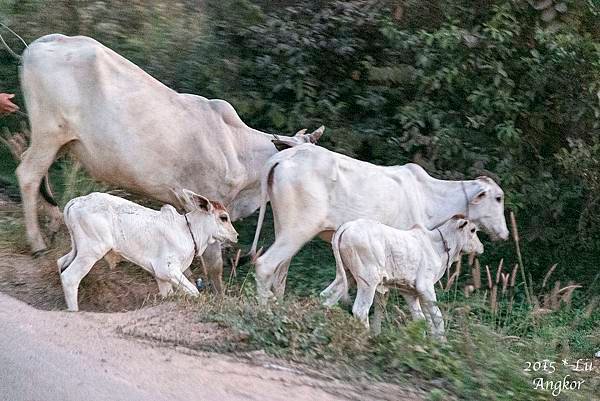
(380, 257)
(131, 131)
(313, 191)
(163, 242)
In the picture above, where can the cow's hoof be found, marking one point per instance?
(40, 253)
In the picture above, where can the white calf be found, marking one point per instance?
(163, 242)
(381, 257)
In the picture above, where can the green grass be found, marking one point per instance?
(477, 363)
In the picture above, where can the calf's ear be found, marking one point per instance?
(194, 201)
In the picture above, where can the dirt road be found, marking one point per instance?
(60, 356)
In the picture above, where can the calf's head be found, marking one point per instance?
(466, 236)
(486, 208)
(212, 216)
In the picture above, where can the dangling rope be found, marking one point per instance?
(11, 51)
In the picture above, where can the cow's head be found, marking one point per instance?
(466, 232)
(486, 208)
(211, 215)
(284, 142)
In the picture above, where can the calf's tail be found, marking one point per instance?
(66, 260)
(341, 281)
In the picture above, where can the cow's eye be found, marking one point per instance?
(473, 230)
(224, 218)
(499, 198)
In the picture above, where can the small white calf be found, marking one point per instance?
(381, 257)
(162, 242)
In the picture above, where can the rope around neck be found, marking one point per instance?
(187, 222)
(462, 185)
(446, 248)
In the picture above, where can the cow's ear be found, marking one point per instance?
(480, 196)
(195, 201)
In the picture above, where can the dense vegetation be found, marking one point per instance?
(510, 89)
(464, 89)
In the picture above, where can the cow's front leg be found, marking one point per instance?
(213, 261)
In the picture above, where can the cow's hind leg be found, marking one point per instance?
(72, 276)
(280, 278)
(277, 256)
(34, 166)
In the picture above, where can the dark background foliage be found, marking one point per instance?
(509, 89)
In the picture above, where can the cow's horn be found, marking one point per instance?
(301, 132)
(314, 137)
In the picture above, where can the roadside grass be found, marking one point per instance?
(477, 363)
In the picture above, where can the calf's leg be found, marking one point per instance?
(414, 306)
(428, 300)
(164, 287)
(72, 276)
(379, 313)
(332, 294)
(178, 279)
(363, 302)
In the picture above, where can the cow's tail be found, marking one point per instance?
(46, 191)
(66, 260)
(8, 48)
(265, 180)
(341, 281)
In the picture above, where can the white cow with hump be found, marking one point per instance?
(313, 191)
(380, 257)
(162, 242)
(131, 131)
